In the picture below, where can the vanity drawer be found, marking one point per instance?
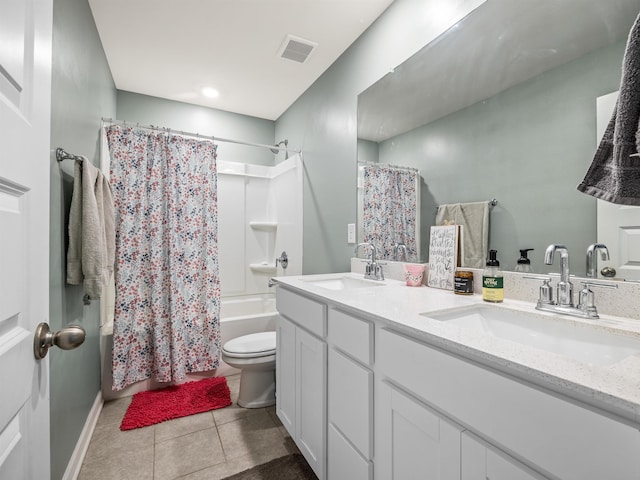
(552, 434)
(307, 313)
(352, 335)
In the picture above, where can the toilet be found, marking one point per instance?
(255, 355)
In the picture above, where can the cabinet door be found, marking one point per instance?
(344, 461)
(286, 373)
(483, 462)
(311, 412)
(350, 400)
(412, 441)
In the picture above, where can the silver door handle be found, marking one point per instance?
(67, 339)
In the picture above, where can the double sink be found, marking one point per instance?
(585, 341)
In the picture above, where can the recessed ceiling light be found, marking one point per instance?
(210, 92)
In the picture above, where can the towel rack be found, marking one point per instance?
(492, 203)
(61, 155)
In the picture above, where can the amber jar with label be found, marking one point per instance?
(463, 282)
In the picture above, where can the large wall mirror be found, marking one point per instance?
(503, 105)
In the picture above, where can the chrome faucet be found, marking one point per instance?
(396, 251)
(373, 271)
(586, 306)
(565, 287)
(592, 261)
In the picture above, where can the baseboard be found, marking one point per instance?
(77, 457)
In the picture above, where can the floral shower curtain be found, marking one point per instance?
(167, 282)
(390, 208)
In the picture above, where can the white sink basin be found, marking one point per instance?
(343, 283)
(579, 341)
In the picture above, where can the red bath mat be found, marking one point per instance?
(155, 406)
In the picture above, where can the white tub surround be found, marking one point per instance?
(491, 400)
(260, 217)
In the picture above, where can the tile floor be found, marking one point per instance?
(210, 445)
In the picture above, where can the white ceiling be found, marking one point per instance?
(171, 49)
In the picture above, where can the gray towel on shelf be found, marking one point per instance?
(474, 218)
(614, 175)
(91, 253)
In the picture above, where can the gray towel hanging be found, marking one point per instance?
(614, 174)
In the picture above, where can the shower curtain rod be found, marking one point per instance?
(197, 135)
(367, 163)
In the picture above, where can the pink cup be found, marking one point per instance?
(414, 274)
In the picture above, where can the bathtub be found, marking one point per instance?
(239, 316)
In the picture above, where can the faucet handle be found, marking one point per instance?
(284, 260)
(544, 278)
(595, 283)
(586, 300)
(379, 272)
(546, 292)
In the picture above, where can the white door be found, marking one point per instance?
(618, 225)
(25, 98)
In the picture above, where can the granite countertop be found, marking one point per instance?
(614, 388)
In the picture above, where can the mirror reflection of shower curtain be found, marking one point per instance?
(390, 209)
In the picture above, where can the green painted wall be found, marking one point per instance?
(146, 110)
(82, 92)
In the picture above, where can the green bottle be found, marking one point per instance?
(492, 280)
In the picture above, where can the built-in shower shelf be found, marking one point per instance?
(263, 267)
(264, 226)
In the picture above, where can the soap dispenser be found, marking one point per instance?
(524, 264)
(492, 280)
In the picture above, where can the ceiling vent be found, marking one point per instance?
(296, 49)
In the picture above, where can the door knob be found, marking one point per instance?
(67, 339)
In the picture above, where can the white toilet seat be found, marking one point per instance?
(254, 345)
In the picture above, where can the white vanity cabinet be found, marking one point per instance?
(301, 372)
(366, 400)
(350, 397)
(553, 436)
